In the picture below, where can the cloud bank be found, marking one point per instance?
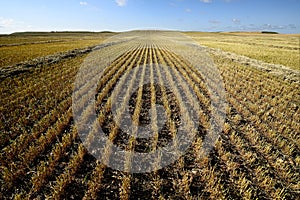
(83, 3)
(206, 1)
(121, 3)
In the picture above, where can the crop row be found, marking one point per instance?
(255, 156)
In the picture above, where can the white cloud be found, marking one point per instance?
(121, 3)
(83, 3)
(5, 22)
(188, 10)
(9, 25)
(236, 21)
(206, 1)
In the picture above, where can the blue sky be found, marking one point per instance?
(121, 15)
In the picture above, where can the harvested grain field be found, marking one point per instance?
(77, 124)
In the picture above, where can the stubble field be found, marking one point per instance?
(43, 154)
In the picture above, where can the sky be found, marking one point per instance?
(122, 15)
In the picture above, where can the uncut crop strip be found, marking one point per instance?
(193, 73)
(103, 93)
(154, 180)
(171, 124)
(204, 67)
(153, 102)
(180, 89)
(176, 71)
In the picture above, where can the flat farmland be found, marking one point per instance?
(244, 90)
(20, 47)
